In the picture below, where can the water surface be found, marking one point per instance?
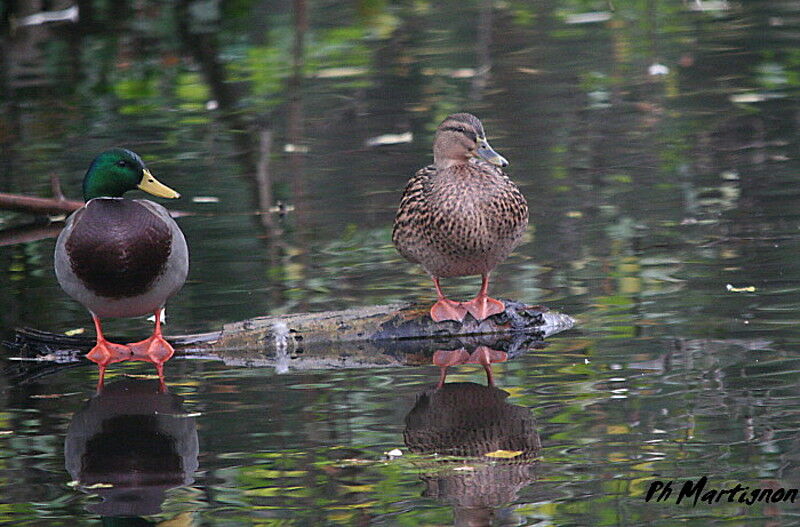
(656, 145)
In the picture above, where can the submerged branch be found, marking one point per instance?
(29, 233)
(41, 206)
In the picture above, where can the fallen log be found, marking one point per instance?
(32, 232)
(375, 336)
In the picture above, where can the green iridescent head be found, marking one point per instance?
(116, 171)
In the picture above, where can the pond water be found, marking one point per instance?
(656, 143)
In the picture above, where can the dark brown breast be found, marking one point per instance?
(118, 248)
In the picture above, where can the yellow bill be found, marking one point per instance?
(152, 186)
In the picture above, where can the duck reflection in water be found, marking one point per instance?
(472, 421)
(130, 444)
(483, 355)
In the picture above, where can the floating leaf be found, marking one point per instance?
(390, 139)
(588, 18)
(463, 73)
(656, 69)
(503, 454)
(99, 486)
(709, 5)
(205, 199)
(52, 395)
(746, 289)
(344, 71)
(290, 148)
(744, 98)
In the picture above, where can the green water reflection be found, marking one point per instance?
(656, 145)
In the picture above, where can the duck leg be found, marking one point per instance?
(154, 349)
(447, 358)
(444, 308)
(485, 356)
(482, 306)
(105, 352)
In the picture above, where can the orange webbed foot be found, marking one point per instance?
(154, 349)
(445, 309)
(105, 353)
(482, 307)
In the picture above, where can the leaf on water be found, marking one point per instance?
(617, 429)
(99, 486)
(709, 5)
(746, 289)
(205, 199)
(657, 69)
(745, 98)
(73, 332)
(290, 148)
(335, 73)
(52, 395)
(390, 139)
(184, 519)
(182, 416)
(588, 18)
(503, 454)
(529, 71)
(463, 73)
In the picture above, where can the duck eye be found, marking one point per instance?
(121, 163)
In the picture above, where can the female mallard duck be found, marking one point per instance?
(121, 257)
(461, 216)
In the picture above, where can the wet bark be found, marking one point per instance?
(360, 337)
(35, 205)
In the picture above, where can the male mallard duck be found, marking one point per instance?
(461, 216)
(122, 257)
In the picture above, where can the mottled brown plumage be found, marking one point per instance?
(462, 215)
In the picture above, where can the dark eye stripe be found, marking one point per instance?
(464, 131)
